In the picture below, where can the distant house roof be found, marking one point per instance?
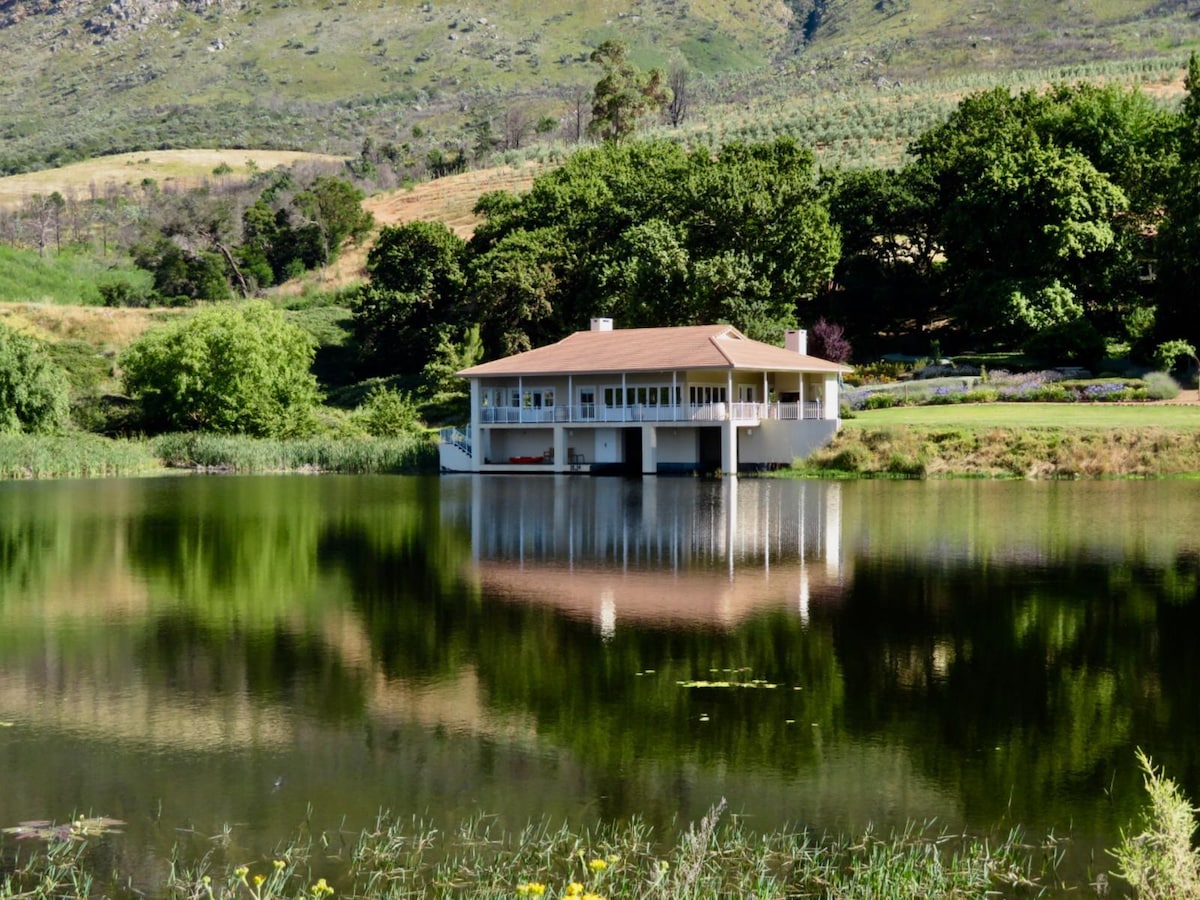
(716, 347)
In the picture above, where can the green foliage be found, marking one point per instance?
(415, 293)
(1169, 354)
(1159, 862)
(388, 413)
(231, 370)
(624, 95)
(33, 390)
(1067, 342)
(653, 235)
(334, 206)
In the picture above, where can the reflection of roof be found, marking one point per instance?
(662, 598)
(654, 350)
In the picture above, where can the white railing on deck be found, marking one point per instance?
(704, 412)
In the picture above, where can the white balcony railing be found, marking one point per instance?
(589, 413)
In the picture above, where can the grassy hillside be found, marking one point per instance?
(87, 77)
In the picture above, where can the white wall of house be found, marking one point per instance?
(776, 441)
(677, 445)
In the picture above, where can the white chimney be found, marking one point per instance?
(796, 340)
(601, 325)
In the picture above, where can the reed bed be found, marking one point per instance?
(245, 455)
(711, 859)
(73, 456)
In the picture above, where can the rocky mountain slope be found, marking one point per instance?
(85, 77)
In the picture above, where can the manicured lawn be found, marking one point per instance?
(1032, 415)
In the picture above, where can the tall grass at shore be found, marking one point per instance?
(711, 859)
(73, 456)
(395, 455)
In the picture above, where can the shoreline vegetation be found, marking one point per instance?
(716, 857)
(873, 446)
(80, 455)
(1034, 452)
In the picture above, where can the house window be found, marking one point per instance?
(704, 394)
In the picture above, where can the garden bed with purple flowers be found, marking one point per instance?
(1047, 386)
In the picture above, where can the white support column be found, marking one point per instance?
(624, 400)
(475, 426)
(763, 399)
(728, 448)
(832, 401)
(570, 400)
(561, 463)
(520, 400)
(649, 450)
(729, 395)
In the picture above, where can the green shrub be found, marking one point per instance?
(1170, 355)
(388, 413)
(883, 400)
(33, 391)
(1159, 863)
(882, 372)
(228, 369)
(1160, 386)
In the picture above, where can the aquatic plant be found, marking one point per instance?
(1159, 862)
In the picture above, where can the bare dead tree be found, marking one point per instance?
(677, 108)
(580, 99)
(517, 126)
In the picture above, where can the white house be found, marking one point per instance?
(648, 400)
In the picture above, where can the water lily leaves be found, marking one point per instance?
(78, 829)
(757, 683)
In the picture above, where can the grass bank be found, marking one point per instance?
(91, 456)
(930, 451)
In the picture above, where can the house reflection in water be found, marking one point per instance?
(654, 551)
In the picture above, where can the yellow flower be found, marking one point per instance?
(279, 864)
(321, 889)
(597, 865)
(574, 889)
(241, 872)
(259, 879)
(591, 897)
(531, 889)
(614, 858)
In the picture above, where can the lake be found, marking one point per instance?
(212, 656)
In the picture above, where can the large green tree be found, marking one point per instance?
(33, 390)
(1028, 204)
(652, 234)
(1178, 245)
(413, 299)
(228, 369)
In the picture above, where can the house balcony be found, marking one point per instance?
(742, 414)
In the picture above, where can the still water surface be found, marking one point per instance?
(188, 654)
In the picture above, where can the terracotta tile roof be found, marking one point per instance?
(654, 350)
